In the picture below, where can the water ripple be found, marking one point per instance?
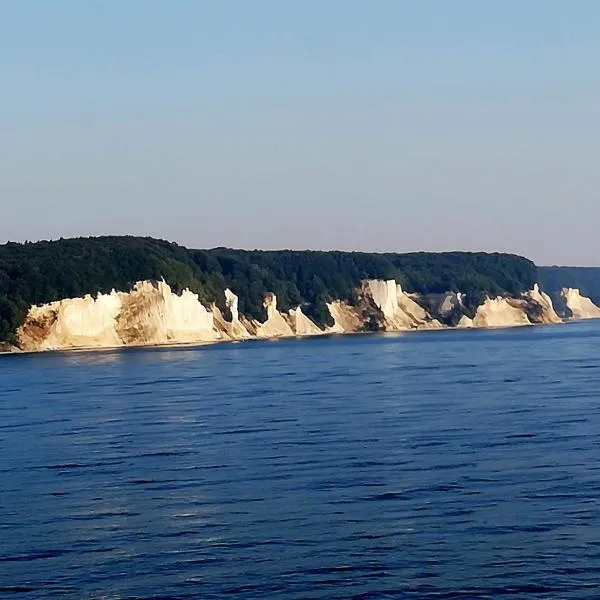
(441, 466)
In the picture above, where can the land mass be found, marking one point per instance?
(112, 291)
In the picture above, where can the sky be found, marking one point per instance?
(387, 125)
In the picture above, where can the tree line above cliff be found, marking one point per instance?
(586, 279)
(41, 272)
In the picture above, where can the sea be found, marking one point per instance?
(425, 465)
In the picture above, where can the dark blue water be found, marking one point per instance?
(433, 465)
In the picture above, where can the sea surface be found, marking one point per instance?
(451, 464)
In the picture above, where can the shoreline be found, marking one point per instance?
(325, 334)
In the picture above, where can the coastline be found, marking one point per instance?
(175, 345)
(151, 315)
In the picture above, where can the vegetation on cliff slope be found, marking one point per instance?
(313, 277)
(586, 279)
(35, 273)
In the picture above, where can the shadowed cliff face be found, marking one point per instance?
(539, 308)
(152, 314)
(6, 348)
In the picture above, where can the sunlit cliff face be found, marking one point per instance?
(534, 307)
(399, 310)
(152, 314)
(579, 306)
(148, 314)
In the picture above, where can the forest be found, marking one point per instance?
(586, 279)
(41, 272)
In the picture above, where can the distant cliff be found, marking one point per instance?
(151, 313)
(585, 279)
(36, 274)
(577, 306)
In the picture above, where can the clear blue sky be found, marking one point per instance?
(382, 125)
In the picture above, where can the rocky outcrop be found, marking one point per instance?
(293, 323)
(497, 312)
(443, 306)
(578, 306)
(465, 322)
(6, 348)
(539, 307)
(420, 318)
(346, 318)
(275, 325)
(399, 310)
(233, 329)
(301, 324)
(534, 307)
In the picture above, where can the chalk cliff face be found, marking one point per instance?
(275, 325)
(152, 314)
(534, 307)
(578, 306)
(419, 317)
(301, 324)
(496, 312)
(149, 314)
(294, 323)
(346, 318)
(541, 308)
(233, 329)
(74, 323)
(400, 311)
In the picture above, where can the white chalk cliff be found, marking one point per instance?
(496, 312)
(149, 314)
(152, 314)
(400, 311)
(275, 325)
(534, 307)
(301, 324)
(346, 318)
(545, 312)
(74, 323)
(579, 307)
(233, 329)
